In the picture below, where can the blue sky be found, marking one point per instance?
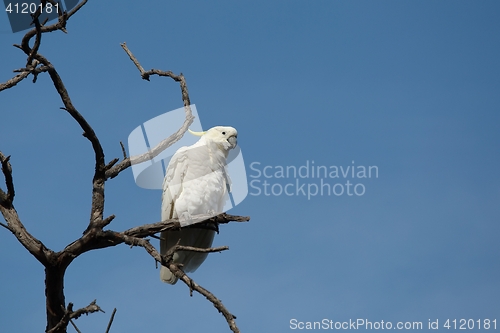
(410, 87)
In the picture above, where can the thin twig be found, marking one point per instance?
(74, 326)
(15, 80)
(60, 25)
(203, 250)
(111, 163)
(70, 314)
(189, 282)
(5, 226)
(107, 221)
(230, 318)
(7, 172)
(133, 58)
(164, 144)
(63, 323)
(91, 308)
(172, 224)
(38, 31)
(38, 38)
(123, 151)
(76, 8)
(111, 320)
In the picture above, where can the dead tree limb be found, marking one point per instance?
(70, 314)
(164, 144)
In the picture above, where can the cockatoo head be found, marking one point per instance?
(224, 136)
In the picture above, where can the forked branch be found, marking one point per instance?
(69, 314)
(164, 144)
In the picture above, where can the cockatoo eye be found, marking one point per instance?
(223, 133)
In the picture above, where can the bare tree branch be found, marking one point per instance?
(33, 69)
(88, 132)
(164, 144)
(74, 326)
(38, 39)
(24, 73)
(153, 228)
(30, 243)
(208, 295)
(203, 250)
(69, 314)
(15, 80)
(111, 320)
(7, 198)
(63, 323)
(38, 31)
(5, 226)
(123, 150)
(190, 283)
(60, 25)
(14, 225)
(91, 308)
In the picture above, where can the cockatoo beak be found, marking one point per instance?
(196, 133)
(233, 141)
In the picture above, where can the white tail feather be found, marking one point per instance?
(167, 276)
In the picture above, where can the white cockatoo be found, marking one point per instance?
(196, 182)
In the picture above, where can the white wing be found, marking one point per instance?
(172, 183)
(192, 186)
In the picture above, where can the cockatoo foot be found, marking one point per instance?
(185, 219)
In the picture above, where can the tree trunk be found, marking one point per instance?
(54, 294)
